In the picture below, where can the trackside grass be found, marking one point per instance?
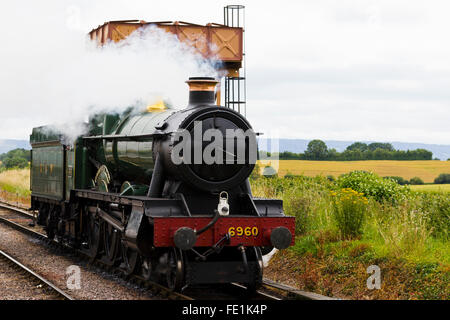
(15, 185)
(340, 233)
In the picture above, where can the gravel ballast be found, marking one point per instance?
(95, 284)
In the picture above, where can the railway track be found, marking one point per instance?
(29, 280)
(20, 220)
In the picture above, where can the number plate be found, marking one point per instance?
(243, 231)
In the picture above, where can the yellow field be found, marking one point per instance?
(432, 187)
(426, 170)
(17, 181)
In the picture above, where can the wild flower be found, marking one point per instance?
(349, 209)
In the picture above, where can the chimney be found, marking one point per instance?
(201, 91)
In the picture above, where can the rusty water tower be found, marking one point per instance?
(224, 41)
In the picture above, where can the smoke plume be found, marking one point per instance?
(61, 79)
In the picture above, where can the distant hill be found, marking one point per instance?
(441, 152)
(6, 145)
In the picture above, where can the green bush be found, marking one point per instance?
(416, 181)
(401, 181)
(372, 185)
(442, 178)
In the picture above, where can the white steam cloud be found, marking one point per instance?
(65, 77)
(148, 66)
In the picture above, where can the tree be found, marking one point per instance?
(21, 153)
(317, 150)
(380, 145)
(358, 146)
(422, 154)
(333, 154)
(15, 162)
(442, 178)
(15, 158)
(381, 154)
(416, 180)
(286, 155)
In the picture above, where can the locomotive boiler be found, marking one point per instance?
(161, 193)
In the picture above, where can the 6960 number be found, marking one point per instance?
(240, 231)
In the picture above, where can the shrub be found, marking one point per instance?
(401, 181)
(349, 208)
(416, 181)
(442, 178)
(372, 185)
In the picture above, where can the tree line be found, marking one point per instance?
(318, 150)
(17, 158)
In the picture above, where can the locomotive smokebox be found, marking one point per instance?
(201, 91)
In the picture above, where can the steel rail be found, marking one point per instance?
(33, 274)
(147, 283)
(23, 212)
(294, 293)
(260, 293)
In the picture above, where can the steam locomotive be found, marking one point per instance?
(142, 193)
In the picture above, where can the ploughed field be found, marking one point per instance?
(426, 170)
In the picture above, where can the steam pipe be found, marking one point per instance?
(155, 188)
(246, 187)
(210, 224)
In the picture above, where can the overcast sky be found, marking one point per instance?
(336, 70)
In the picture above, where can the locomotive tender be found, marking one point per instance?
(121, 195)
